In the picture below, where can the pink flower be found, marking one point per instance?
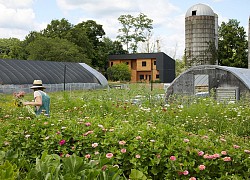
(224, 152)
(87, 133)
(94, 145)
(137, 156)
(67, 155)
(87, 156)
(207, 156)
(87, 124)
(247, 151)
(97, 153)
(202, 167)
(216, 156)
(192, 178)
(172, 158)
(185, 172)
(186, 140)
(223, 140)
(62, 142)
(227, 159)
(123, 150)
(58, 132)
(200, 153)
(138, 137)
(109, 155)
(122, 142)
(236, 146)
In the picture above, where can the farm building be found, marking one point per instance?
(18, 75)
(201, 35)
(146, 67)
(227, 82)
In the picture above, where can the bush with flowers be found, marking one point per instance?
(100, 134)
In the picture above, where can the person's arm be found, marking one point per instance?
(38, 102)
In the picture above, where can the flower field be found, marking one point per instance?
(101, 134)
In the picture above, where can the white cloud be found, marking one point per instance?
(16, 18)
(17, 3)
(168, 24)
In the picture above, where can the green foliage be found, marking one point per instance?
(57, 29)
(134, 30)
(8, 171)
(56, 50)
(119, 72)
(232, 45)
(100, 134)
(180, 66)
(10, 48)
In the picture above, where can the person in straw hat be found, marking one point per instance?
(41, 99)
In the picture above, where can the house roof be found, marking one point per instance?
(137, 56)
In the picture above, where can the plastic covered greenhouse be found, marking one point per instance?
(18, 75)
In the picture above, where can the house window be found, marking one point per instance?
(111, 64)
(144, 63)
(127, 63)
(141, 77)
(193, 13)
(154, 62)
(157, 76)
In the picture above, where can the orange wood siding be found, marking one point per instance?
(148, 71)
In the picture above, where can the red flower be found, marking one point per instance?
(62, 142)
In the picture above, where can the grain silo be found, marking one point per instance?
(201, 36)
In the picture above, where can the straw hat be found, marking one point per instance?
(37, 84)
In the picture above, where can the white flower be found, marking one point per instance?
(27, 135)
(94, 145)
(46, 138)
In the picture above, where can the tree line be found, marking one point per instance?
(86, 42)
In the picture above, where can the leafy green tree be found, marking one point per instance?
(179, 66)
(119, 72)
(134, 30)
(55, 49)
(57, 28)
(232, 45)
(95, 34)
(108, 47)
(10, 48)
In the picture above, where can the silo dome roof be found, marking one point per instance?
(199, 10)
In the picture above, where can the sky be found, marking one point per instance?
(19, 17)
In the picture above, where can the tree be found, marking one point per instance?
(179, 66)
(232, 45)
(109, 47)
(57, 28)
(134, 30)
(119, 72)
(95, 34)
(9, 48)
(55, 49)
